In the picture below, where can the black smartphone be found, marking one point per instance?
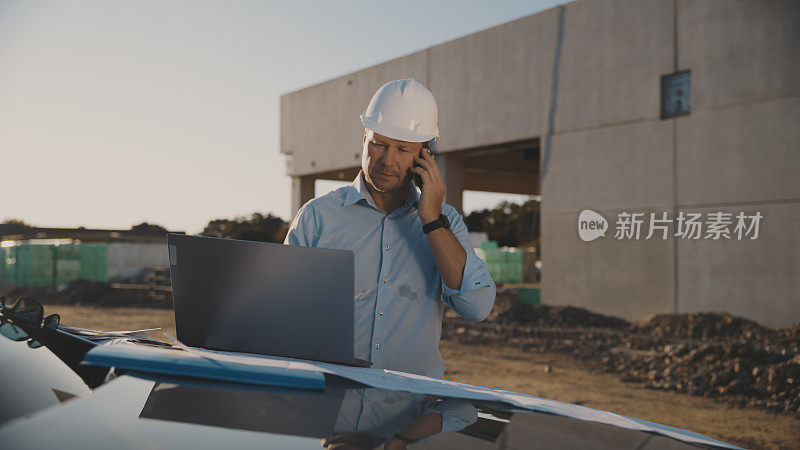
(416, 177)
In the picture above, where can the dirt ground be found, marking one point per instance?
(568, 380)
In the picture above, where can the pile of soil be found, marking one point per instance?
(715, 355)
(702, 326)
(559, 316)
(509, 310)
(790, 332)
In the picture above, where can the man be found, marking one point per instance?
(412, 251)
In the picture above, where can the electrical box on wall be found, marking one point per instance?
(676, 89)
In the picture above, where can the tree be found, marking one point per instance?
(257, 227)
(509, 224)
(149, 228)
(13, 226)
(474, 220)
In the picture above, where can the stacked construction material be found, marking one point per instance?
(49, 265)
(94, 262)
(68, 263)
(34, 266)
(8, 257)
(507, 264)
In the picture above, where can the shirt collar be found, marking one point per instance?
(358, 191)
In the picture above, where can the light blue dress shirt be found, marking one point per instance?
(399, 294)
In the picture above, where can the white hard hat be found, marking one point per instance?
(403, 110)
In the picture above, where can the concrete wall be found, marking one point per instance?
(758, 279)
(494, 86)
(590, 72)
(610, 153)
(608, 170)
(613, 55)
(737, 151)
(630, 279)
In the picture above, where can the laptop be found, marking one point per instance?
(264, 298)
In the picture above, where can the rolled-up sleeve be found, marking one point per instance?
(303, 230)
(474, 299)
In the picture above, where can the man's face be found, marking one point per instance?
(386, 162)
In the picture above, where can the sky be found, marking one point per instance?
(114, 113)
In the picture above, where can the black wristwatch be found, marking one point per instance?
(438, 223)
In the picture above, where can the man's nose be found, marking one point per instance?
(387, 156)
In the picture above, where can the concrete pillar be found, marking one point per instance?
(452, 167)
(302, 191)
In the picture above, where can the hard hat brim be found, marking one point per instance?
(402, 134)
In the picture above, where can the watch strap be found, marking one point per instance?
(440, 222)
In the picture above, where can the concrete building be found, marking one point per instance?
(567, 103)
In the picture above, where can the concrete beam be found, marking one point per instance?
(452, 167)
(302, 192)
(507, 183)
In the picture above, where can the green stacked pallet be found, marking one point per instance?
(489, 254)
(68, 263)
(512, 256)
(68, 252)
(507, 272)
(489, 245)
(9, 264)
(505, 265)
(34, 265)
(6, 270)
(94, 262)
(512, 266)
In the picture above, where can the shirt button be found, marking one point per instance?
(387, 247)
(377, 345)
(385, 279)
(380, 312)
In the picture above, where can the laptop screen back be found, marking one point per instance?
(264, 298)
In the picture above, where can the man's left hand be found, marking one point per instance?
(433, 189)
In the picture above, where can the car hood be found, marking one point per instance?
(187, 398)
